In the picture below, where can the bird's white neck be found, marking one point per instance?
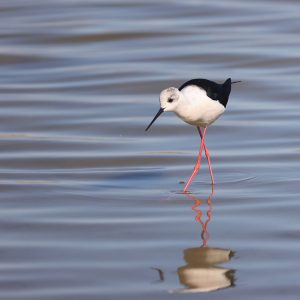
(184, 107)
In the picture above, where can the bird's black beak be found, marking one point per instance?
(161, 110)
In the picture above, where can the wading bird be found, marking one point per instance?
(198, 102)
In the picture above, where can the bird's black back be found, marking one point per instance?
(213, 90)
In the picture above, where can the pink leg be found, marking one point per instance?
(207, 156)
(197, 166)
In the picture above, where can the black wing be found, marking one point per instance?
(213, 90)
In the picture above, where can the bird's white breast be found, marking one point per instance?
(197, 108)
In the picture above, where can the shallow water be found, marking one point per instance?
(91, 205)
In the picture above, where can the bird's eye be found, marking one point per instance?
(170, 100)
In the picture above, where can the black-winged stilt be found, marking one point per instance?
(198, 102)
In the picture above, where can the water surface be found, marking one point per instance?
(91, 205)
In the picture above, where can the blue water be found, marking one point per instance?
(91, 204)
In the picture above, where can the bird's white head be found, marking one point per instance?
(169, 99)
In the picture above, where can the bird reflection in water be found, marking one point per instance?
(201, 272)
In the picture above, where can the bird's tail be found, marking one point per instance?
(226, 86)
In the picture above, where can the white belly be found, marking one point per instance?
(199, 109)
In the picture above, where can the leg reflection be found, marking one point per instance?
(197, 208)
